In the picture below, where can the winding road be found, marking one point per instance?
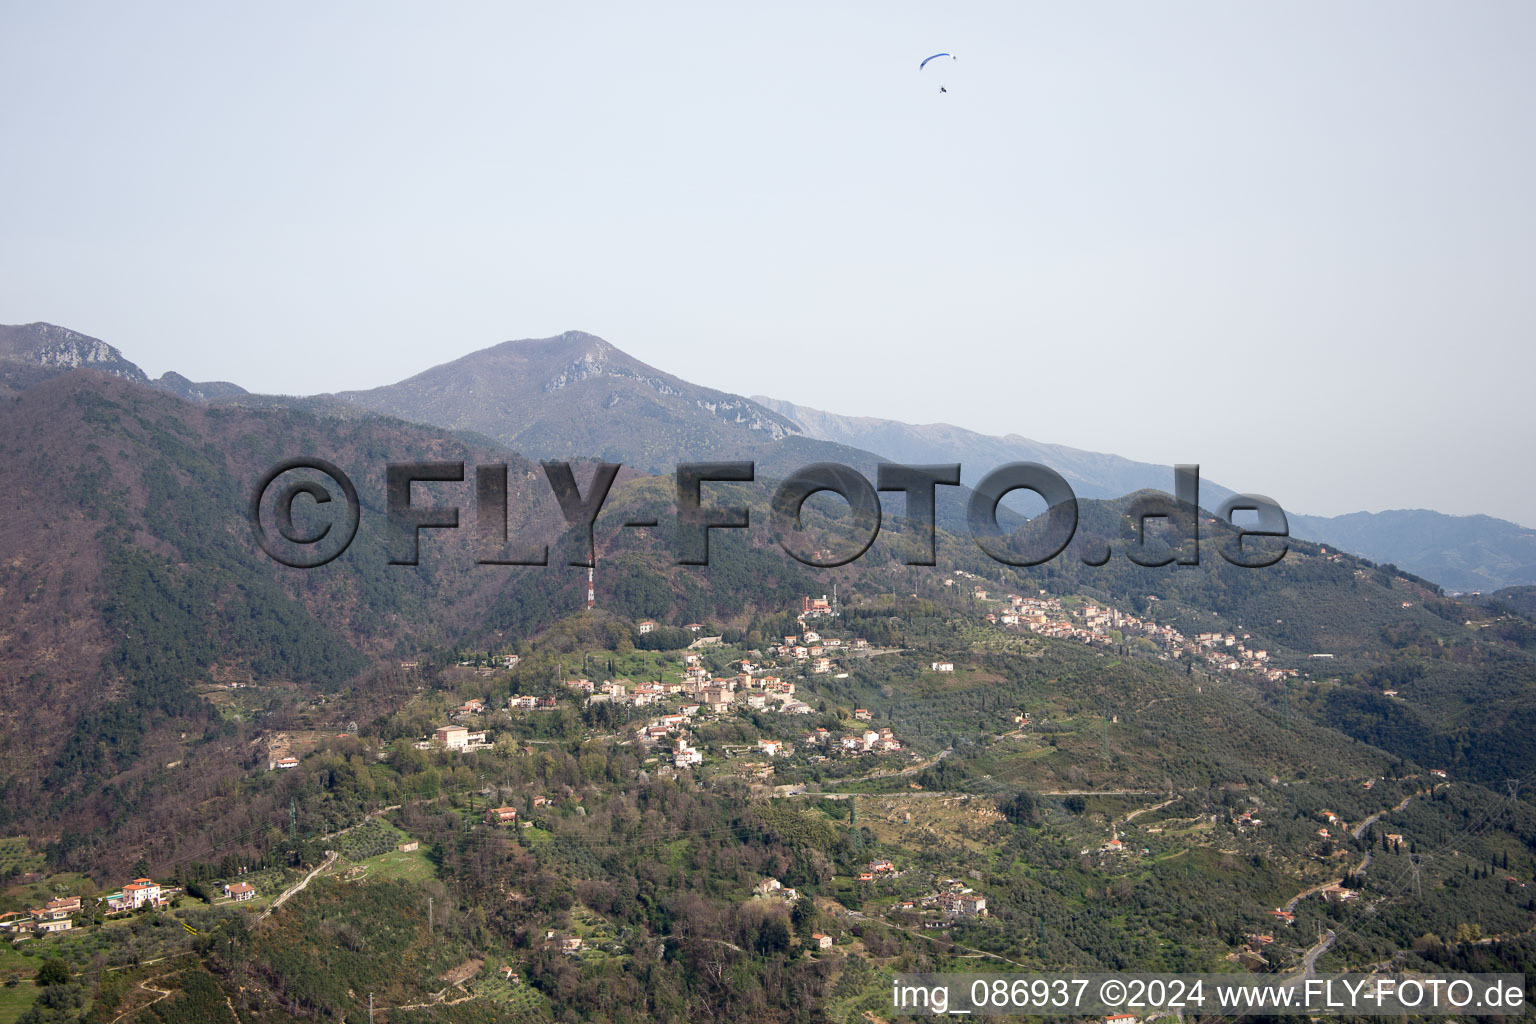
(147, 987)
(1359, 829)
(1310, 958)
(325, 865)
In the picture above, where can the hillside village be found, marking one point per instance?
(1089, 623)
(790, 726)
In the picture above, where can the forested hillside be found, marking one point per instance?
(482, 800)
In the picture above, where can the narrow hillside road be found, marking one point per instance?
(1373, 819)
(909, 770)
(920, 794)
(154, 960)
(932, 794)
(1309, 962)
(325, 865)
(970, 951)
(1290, 904)
(1365, 861)
(914, 769)
(1148, 810)
(435, 1003)
(1099, 792)
(147, 987)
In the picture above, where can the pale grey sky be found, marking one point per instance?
(1292, 242)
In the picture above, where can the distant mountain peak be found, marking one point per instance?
(597, 359)
(578, 394)
(197, 391)
(59, 348)
(583, 338)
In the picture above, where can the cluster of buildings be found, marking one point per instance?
(498, 663)
(1226, 652)
(528, 702)
(505, 815)
(701, 691)
(878, 869)
(1046, 616)
(880, 740)
(748, 684)
(458, 737)
(772, 888)
(141, 892)
(623, 691)
(668, 733)
(648, 626)
(685, 756)
(812, 650)
(752, 686)
(56, 915)
(1092, 624)
(815, 651)
(961, 904)
(952, 899)
(817, 607)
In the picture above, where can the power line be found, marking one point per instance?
(1471, 831)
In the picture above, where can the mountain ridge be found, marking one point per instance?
(54, 347)
(1464, 553)
(1092, 474)
(576, 395)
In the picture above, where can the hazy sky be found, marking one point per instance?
(1293, 242)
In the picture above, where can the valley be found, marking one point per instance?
(755, 789)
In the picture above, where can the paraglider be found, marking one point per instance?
(936, 56)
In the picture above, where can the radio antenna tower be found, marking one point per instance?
(591, 590)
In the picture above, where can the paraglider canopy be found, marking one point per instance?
(935, 57)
